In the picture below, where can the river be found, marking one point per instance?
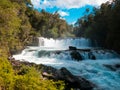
(93, 70)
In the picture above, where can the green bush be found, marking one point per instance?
(6, 75)
(30, 79)
(27, 78)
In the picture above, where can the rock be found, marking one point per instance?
(17, 50)
(57, 52)
(48, 72)
(71, 81)
(74, 81)
(113, 67)
(117, 66)
(11, 57)
(43, 53)
(84, 50)
(91, 56)
(76, 55)
(34, 42)
(72, 48)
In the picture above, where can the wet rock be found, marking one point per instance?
(71, 81)
(44, 53)
(34, 42)
(84, 50)
(113, 67)
(117, 66)
(75, 55)
(57, 52)
(91, 56)
(72, 48)
(74, 81)
(17, 50)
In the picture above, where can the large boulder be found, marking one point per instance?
(75, 82)
(17, 50)
(72, 48)
(114, 67)
(34, 42)
(75, 55)
(91, 56)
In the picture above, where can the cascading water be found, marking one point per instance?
(65, 43)
(55, 53)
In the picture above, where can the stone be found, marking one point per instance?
(34, 42)
(75, 55)
(72, 48)
(71, 80)
(113, 67)
(91, 56)
(48, 72)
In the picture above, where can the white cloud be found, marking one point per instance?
(36, 3)
(62, 13)
(73, 22)
(62, 18)
(67, 4)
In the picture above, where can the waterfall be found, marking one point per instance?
(65, 43)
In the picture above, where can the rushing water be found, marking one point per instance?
(93, 70)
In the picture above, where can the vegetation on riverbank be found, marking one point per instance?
(102, 25)
(19, 25)
(24, 78)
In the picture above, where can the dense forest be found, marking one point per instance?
(102, 25)
(20, 24)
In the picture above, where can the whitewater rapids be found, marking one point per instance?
(93, 70)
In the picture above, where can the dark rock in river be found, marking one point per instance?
(113, 67)
(76, 55)
(72, 48)
(43, 53)
(74, 81)
(91, 56)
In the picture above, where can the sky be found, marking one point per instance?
(70, 10)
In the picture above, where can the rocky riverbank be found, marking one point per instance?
(48, 72)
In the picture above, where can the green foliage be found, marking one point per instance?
(47, 24)
(102, 25)
(26, 78)
(53, 33)
(19, 25)
(15, 28)
(6, 75)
